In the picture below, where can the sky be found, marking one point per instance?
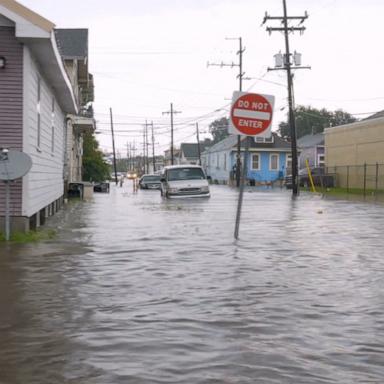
(147, 54)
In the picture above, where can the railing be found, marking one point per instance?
(366, 178)
(86, 112)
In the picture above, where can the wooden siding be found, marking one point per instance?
(44, 183)
(11, 109)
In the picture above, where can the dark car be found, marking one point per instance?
(150, 182)
(101, 187)
(319, 176)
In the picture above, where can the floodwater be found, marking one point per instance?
(135, 289)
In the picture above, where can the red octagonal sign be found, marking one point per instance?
(251, 114)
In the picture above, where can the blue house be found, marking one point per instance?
(268, 159)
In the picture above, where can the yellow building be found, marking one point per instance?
(355, 152)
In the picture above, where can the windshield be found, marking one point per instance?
(151, 178)
(186, 174)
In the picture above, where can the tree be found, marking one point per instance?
(219, 129)
(94, 166)
(311, 120)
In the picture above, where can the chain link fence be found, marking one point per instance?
(368, 178)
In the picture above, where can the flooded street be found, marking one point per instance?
(136, 289)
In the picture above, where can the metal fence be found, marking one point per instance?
(367, 178)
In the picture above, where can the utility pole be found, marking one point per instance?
(146, 147)
(171, 112)
(128, 157)
(284, 62)
(153, 150)
(240, 77)
(134, 160)
(198, 142)
(113, 146)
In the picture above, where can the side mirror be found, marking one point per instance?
(162, 179)
(209, 178)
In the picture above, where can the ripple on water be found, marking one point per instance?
(136, 289)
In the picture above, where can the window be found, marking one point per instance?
(256, 162)
(264, 139)
(217, 161)
(186, 174)
(289, 164)
(38, 141)
(53, 125)
(225, 161)
(273, 162)
(321, 161)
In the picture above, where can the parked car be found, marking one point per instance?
(319, 176)
(101, 187)
(184, 181)
(150, 182)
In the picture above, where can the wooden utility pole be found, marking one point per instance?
(133, 156)
(153, 150)
(288, 67)
(240, 77)
(171, 112)
(198, 142)
(113, 146)
(146, 147)
(128, 156)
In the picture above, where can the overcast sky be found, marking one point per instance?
(146, 54)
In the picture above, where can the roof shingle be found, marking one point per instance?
(72, 43)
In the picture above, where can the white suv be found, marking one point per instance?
(184, 181)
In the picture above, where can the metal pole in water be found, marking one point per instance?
(241, 191)
(7, 213)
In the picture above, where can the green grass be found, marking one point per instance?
(30, 237)
(350, 194)
(344, 191)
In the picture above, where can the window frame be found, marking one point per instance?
(258, 162)
(271, 155)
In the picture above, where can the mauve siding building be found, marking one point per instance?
(36, 98)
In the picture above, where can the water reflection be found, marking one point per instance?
(136, 289)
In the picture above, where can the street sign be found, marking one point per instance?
(251, 114)
(14, 164)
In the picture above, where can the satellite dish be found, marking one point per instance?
(14, 164)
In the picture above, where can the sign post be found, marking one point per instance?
(251, 115)
(13, 165)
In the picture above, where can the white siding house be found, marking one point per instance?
(44, 139)
(39, 111)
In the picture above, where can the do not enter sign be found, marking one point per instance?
(251, 114)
